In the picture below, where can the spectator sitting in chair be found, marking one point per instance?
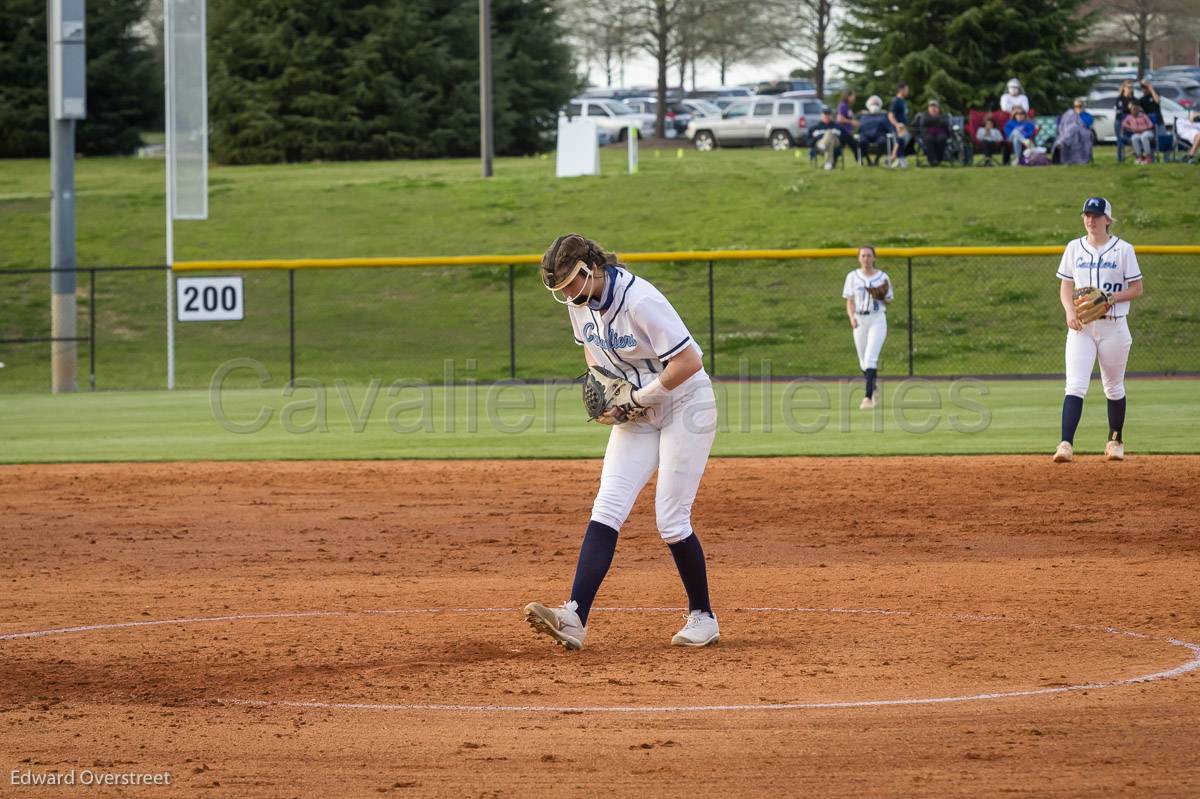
(1014, 98)
(1189, 130)
(1140, 129)
(1019, 132)
(933, 131)
(826, 137)
(1075, 134)
(898, 116)
(873, 127)
(989, 139)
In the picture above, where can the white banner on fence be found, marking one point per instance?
(187, 108)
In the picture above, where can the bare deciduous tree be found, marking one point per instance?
(1146, 21)
(808, 32)
(602, 35)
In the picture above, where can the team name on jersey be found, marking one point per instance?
(1086, 263)
(614, 340)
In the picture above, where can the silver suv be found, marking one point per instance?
(753, 121)
(611, 116)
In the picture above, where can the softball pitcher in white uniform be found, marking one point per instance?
(627, 326)
(1109, 263)
(868, 292)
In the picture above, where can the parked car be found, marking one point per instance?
(1185, 73)
(721, 96)
(1103, 111)
(796, 86)
(750, 122)
(811, 108)
(701, 108)
(1186, 94)
(676, 117)
(612, 116)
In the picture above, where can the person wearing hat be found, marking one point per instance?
(1014, 98)
(1108, 263)
(826, 137)
(1019, 132)
(933, 131)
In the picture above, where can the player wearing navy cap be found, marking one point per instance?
(1105, 268)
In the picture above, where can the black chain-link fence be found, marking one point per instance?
(952, 315)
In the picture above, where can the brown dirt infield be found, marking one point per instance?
(1048, 553)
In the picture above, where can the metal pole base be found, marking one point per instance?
(63, 354)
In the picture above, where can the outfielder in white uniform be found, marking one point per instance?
(1109, 263)
(627, 326)
(868, 292)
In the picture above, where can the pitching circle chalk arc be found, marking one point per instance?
(1192, 664)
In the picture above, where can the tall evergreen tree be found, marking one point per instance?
(296, 80)
(964, 51)
(124, 86)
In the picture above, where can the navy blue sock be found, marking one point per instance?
(595, 556)
(689, 559)
(1072, 410)
(1116, 418)
(870, 373)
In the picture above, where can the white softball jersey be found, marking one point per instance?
(870, 313)
(632, 330)
(856, 288)
(1111, 267)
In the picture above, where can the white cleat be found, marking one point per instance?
(1114, 451)
(701, 630)
(561, 624)
(1064, 453)
(867, 404)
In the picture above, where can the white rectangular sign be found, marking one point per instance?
(209, 299)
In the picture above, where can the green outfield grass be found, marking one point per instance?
(970, 316)
(545, 421)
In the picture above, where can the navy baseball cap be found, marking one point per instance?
(1098, 206)
(826, 109)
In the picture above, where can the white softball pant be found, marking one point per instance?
(675, 438)
(869, 337)
(1109, 339)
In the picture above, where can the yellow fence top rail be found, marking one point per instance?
(650, 257)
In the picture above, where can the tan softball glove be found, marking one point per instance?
(1091, 303)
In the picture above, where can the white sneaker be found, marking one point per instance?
(867, 404)
(561, 624)
(903, 163)
(1064, 453)
(828, 165)
(701, 630)
(1114, 451)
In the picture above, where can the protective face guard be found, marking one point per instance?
(556, 289)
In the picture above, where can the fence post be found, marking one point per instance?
(92, 329)
(712, 326)
(910, 319)
(512, 323)
(291, 326)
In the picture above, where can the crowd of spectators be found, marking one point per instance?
(1011, 134)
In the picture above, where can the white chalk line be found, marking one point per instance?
(1184, 668)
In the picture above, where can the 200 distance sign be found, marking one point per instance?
(209, 299)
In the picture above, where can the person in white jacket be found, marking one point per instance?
(1014, 98)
